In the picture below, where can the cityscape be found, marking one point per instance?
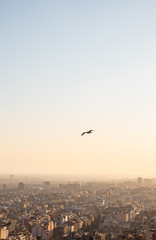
(77, 120)
(32, 208)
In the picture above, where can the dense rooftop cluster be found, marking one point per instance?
(77, 210)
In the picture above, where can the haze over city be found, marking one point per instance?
(70, 66)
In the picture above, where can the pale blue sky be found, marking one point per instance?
(68, 66)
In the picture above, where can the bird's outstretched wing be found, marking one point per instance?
(83, 133)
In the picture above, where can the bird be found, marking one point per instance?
(88, 132)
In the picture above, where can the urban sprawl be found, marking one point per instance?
(32, 209)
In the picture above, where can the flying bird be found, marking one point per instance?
(88, 132)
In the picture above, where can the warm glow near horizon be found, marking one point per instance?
(72, 66)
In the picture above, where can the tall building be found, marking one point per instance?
(21, 186)
(139, 180)
(4, 187)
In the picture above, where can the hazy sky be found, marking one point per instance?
(69, 66)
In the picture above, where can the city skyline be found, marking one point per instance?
(71, 66)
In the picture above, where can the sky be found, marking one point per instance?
(71, 66)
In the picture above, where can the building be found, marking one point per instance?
(139, 180)
(4, 232)
(4, 187)
(46, 184)
(21, 186)
(150, 234)
(123, 217)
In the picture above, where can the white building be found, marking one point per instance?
(4, 232)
